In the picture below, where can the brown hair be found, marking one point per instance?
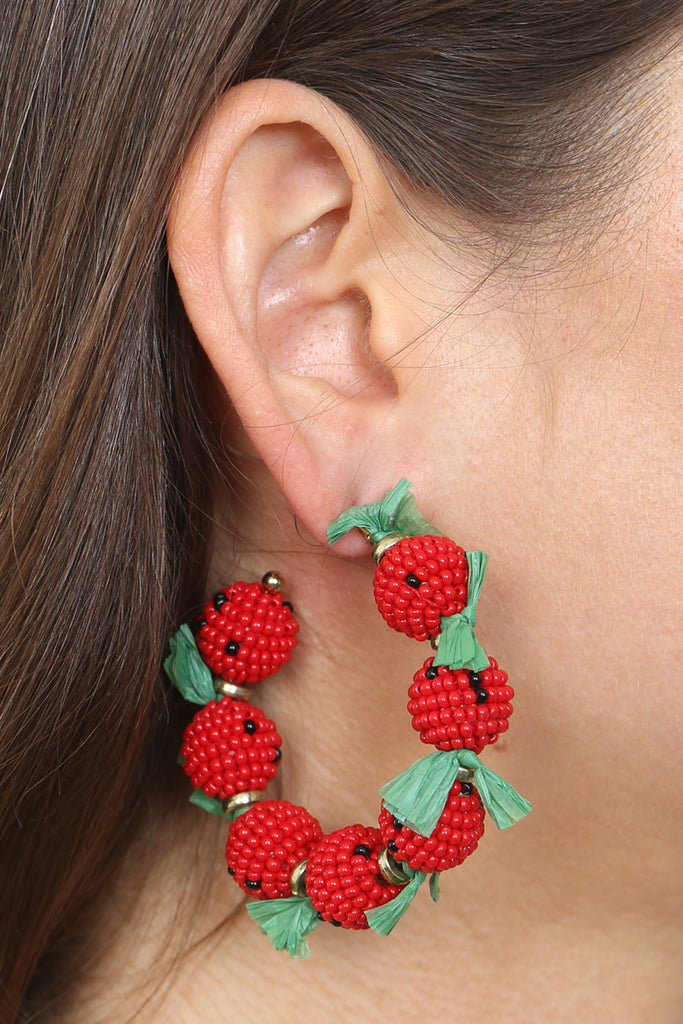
(495, 107)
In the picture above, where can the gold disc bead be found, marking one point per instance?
(242, 801)
(297, 879)
(225, 688)
(383, 545)
(391, 869)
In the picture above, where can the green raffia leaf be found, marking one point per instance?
(286, 922)
(458, 646)
(384, 919)
(418, 795)
(396, 512)
(434, 887)
(208, 803)
(505, 805)
(186, 670)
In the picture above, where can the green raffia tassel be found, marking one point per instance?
(458, 646)
(186, 670)
(505, 805)
(384, 919)
(208, 803)
(418, 795)
(394, 513)
(286, 922)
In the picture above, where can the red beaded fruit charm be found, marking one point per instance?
(456, 835)
(453, 709)
(343, 878)
(246, 633)
(419, 580)
(266, 843)
(230, 747)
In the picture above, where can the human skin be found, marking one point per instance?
(536, 415)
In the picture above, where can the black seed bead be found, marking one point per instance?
(337, 924)
(363, 850)
(482, 695)
(252, 883)
(232, 647)
(319, 916)
(231, 871)
(249, 725)
(200, 624)
(412, 580)
(391, 846)
(398, 825)
(465, 789)
(288, 604)
(278, 755)
(432, 672)
(219, 599)
(475, 680)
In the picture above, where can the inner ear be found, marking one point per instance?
(304, 335)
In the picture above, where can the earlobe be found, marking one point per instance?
(271, 246)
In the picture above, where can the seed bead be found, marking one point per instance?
(246, 633)
(266, 843)
(454, 837)
(230, 747)
(343, 877)
(450, 712)
(419, 580)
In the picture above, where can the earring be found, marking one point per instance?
(431, 816)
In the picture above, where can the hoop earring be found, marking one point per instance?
(431, 816)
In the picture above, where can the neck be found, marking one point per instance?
(504, 926)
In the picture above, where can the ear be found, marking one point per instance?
(275, 238)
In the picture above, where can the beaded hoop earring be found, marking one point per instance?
(431, 816)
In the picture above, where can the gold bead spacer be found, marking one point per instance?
(391, 869)
(464, 775)
(434, 642)
(242, 801)
(297, 879)
(383, 545)
(273, 581)
(227, 689)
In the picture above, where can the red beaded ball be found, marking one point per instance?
(266, 843)
(455, 836)
(343, 878)
(229, 747)
(453, 709)
(246, 633)
(419, 580)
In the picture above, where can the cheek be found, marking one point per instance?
(571, 490)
